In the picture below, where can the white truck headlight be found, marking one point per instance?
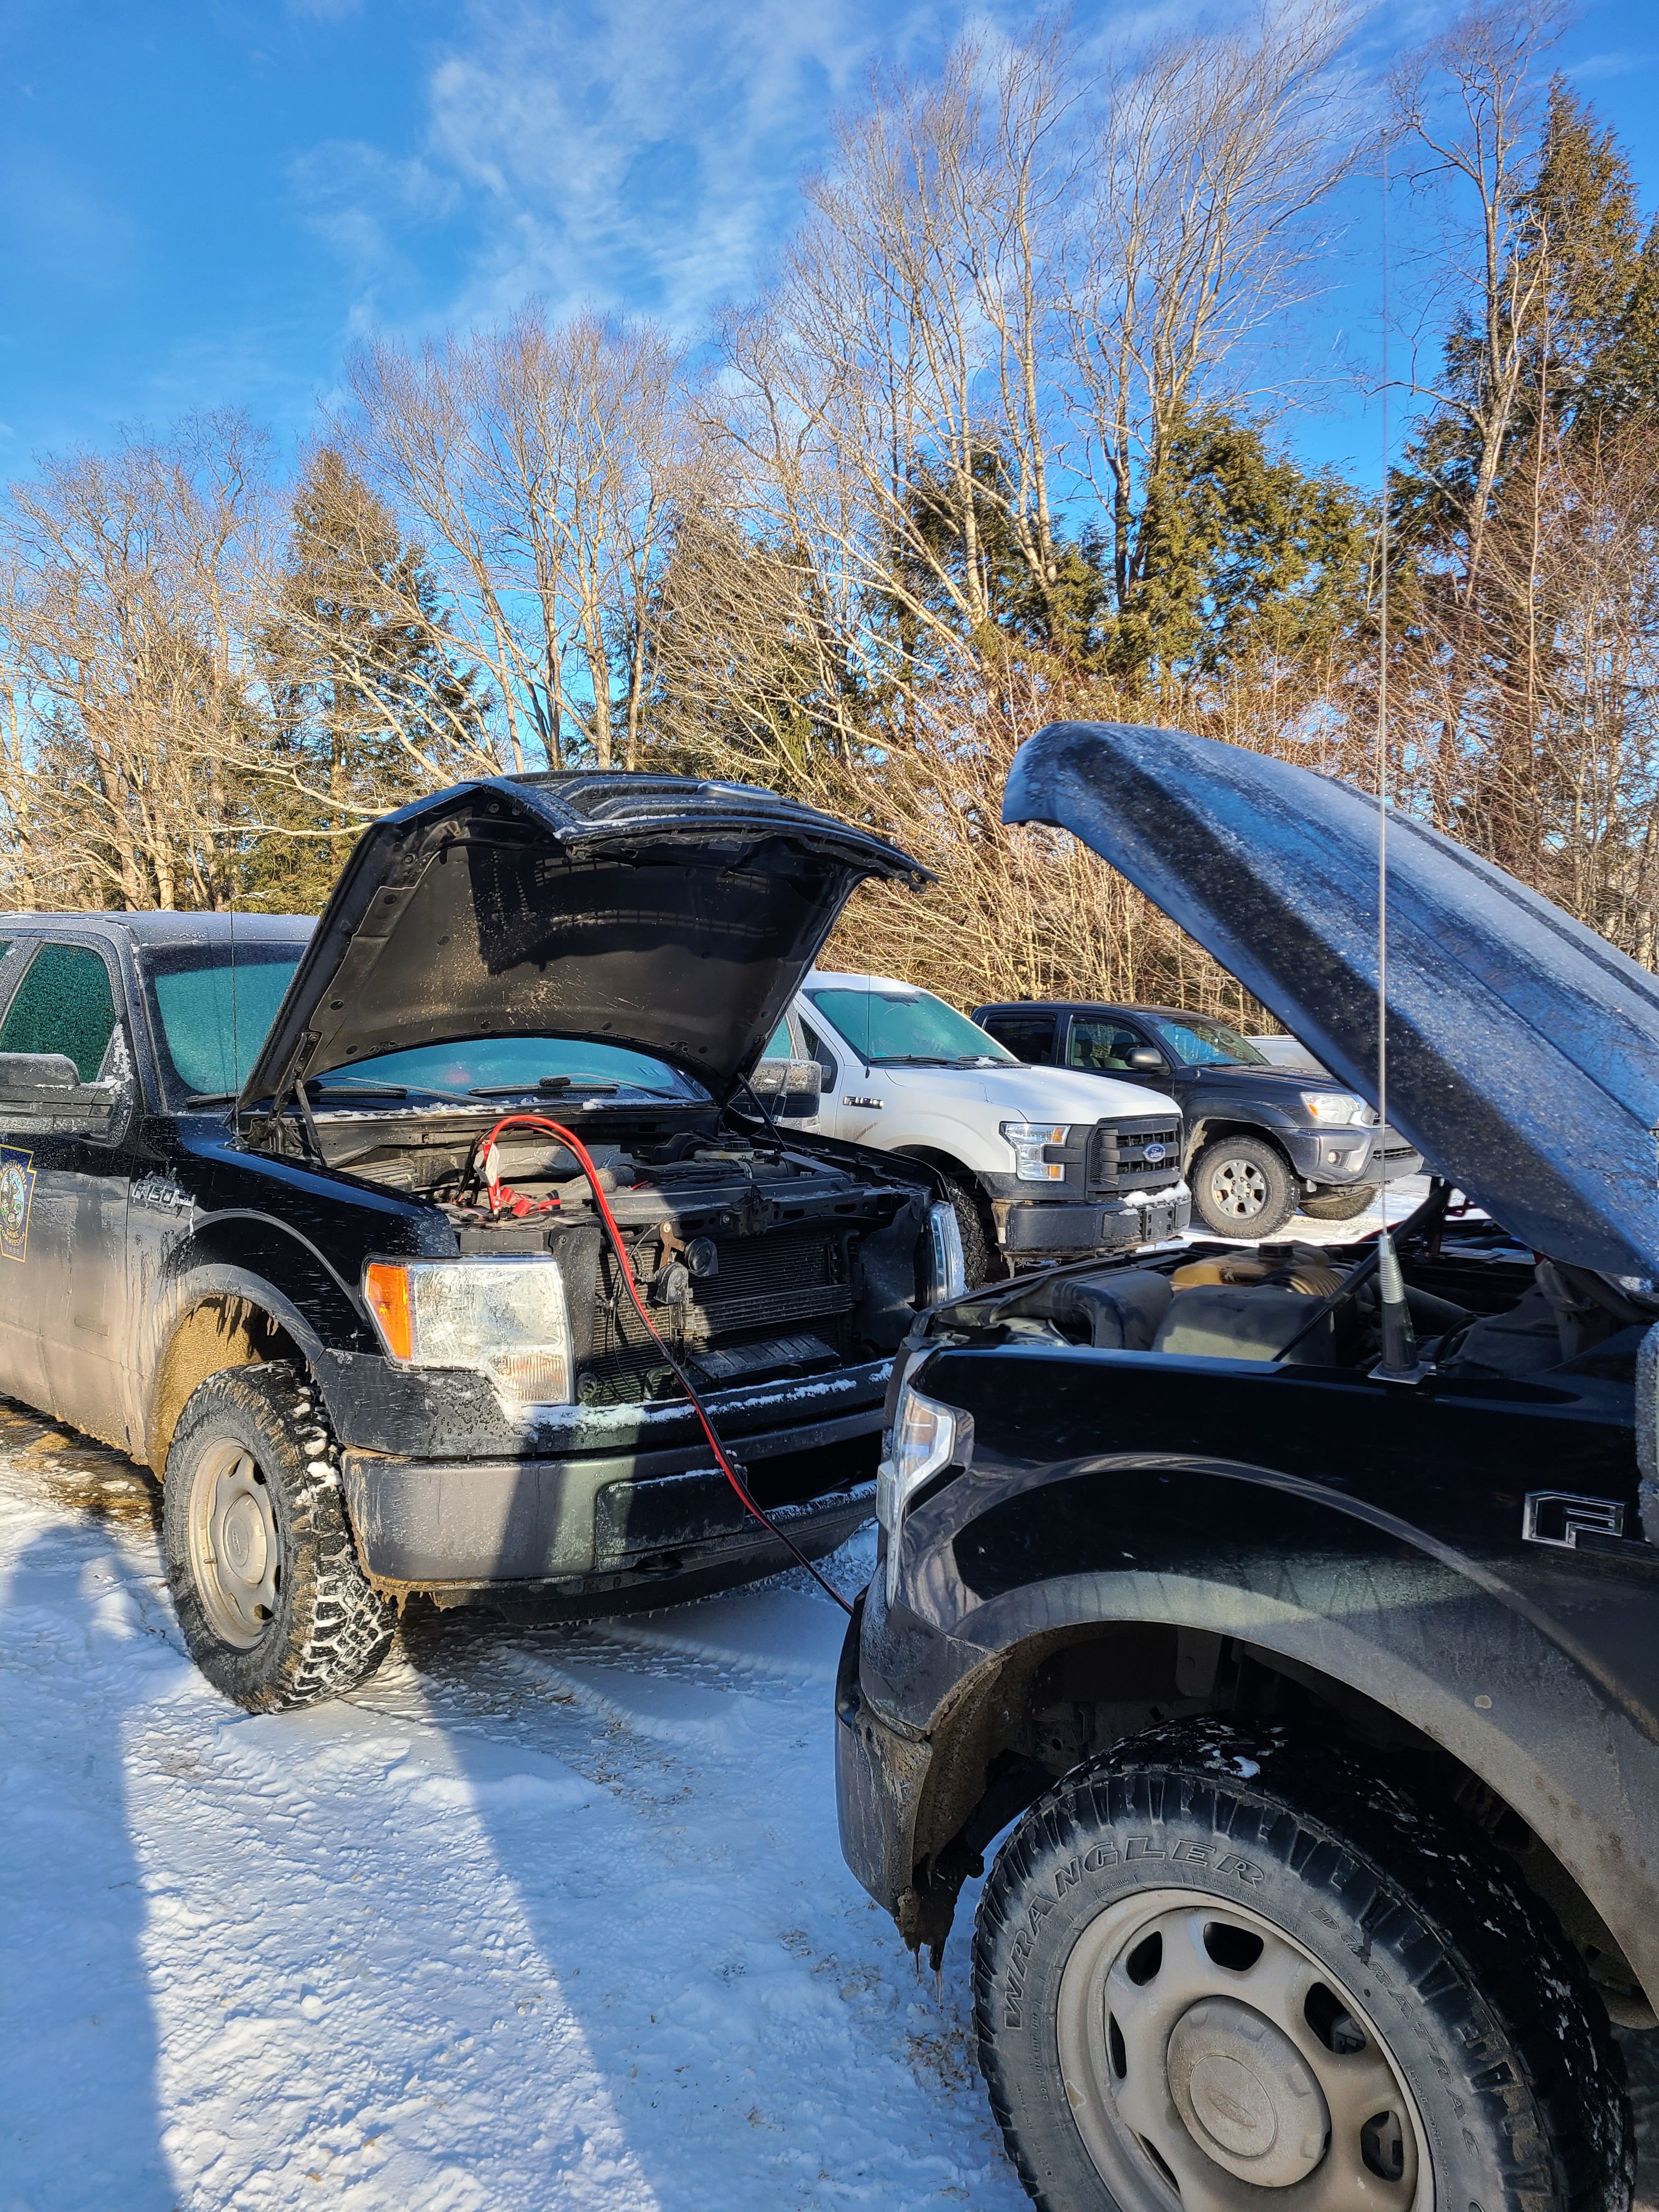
(503, 1318)
(1029, 1140)
(924, 1440)
(1337, 1106)
(949, 1269)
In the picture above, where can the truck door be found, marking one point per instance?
(1028, 1037)
(827, 1121)
(64, 1206)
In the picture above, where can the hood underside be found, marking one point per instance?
(658, 912)
(1523, 1049)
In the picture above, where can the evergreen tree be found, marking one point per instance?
(369, 703)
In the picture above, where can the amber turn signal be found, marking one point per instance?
(386, 1287)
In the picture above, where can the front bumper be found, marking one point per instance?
(590, 1522)
(1349, 1160)
(1105, 1224)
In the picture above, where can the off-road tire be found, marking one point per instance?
(1249, 1163)
(980, 1258)
(1477, 2001)
(1338, 1204)
(328, 1629)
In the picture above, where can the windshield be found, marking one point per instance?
(1197, 1042)
(213, 1016)
(888, 1029)
(508, 1066)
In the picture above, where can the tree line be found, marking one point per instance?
(1003, 438)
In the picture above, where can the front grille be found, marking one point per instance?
(765, 1285)
(1117, 1154)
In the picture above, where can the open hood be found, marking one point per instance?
(660, 912)
(1523, 1051)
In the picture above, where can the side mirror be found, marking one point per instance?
(41, 1095)
(1144, 1061)
(791, 1089)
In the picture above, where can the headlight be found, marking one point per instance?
(502, 1318)
(949, 1269)
(1027, 1139)
(924, 1440)
(1340, 1106)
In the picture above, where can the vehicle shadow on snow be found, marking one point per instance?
(760, 2029)
(80, 2116)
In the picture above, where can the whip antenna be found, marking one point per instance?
(1399, 1362)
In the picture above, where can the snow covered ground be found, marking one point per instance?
(540, 1918)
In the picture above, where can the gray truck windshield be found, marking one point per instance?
(1196, 1041)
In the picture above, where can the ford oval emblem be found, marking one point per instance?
(1153, 1155)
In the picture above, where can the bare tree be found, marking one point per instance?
(1468, 102)
(134, 576)
(542, 465)
(1212, 158)
(894, 412)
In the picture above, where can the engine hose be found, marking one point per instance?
(492, 1184)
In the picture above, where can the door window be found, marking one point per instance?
(63, 1004)
(1103, 1046)
(1030, 1037)
(816, 1049)
(779, 1045)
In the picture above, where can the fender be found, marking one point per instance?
(1507, 1662)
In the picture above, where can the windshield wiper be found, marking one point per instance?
(366, 1088)
(916, 1060)
(210, 1097)
(558, 1084)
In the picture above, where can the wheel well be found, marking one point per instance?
(218, 1333)
(946, 1165)
(1206, 1133)
(1060, 1698)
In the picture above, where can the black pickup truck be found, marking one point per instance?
(1299, 1607)
(1261, 1142)
(254, 1231)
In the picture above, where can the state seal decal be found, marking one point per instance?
(16, 1196)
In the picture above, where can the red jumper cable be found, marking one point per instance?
(493, 1186)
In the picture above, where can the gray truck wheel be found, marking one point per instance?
(273, 1607)
(1215, 1965)
(1242, 1186)
(1338, 1204)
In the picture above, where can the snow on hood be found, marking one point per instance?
(1523, 1050)
(658, 912)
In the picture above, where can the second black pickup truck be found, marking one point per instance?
(255, 1228)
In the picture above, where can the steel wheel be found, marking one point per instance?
(1208, 2057)
(234, 1550)
(1238, 1188)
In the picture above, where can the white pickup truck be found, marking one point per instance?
(1043, 1163)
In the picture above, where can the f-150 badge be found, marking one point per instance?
(16, 1197)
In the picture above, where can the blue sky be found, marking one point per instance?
(204, 202)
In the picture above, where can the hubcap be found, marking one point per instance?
(1208, 2057)
(1238, 1188)
(234, 1552)
(1247, 2096)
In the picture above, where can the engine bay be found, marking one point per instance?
(759, 1258)
(1481, 1307)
